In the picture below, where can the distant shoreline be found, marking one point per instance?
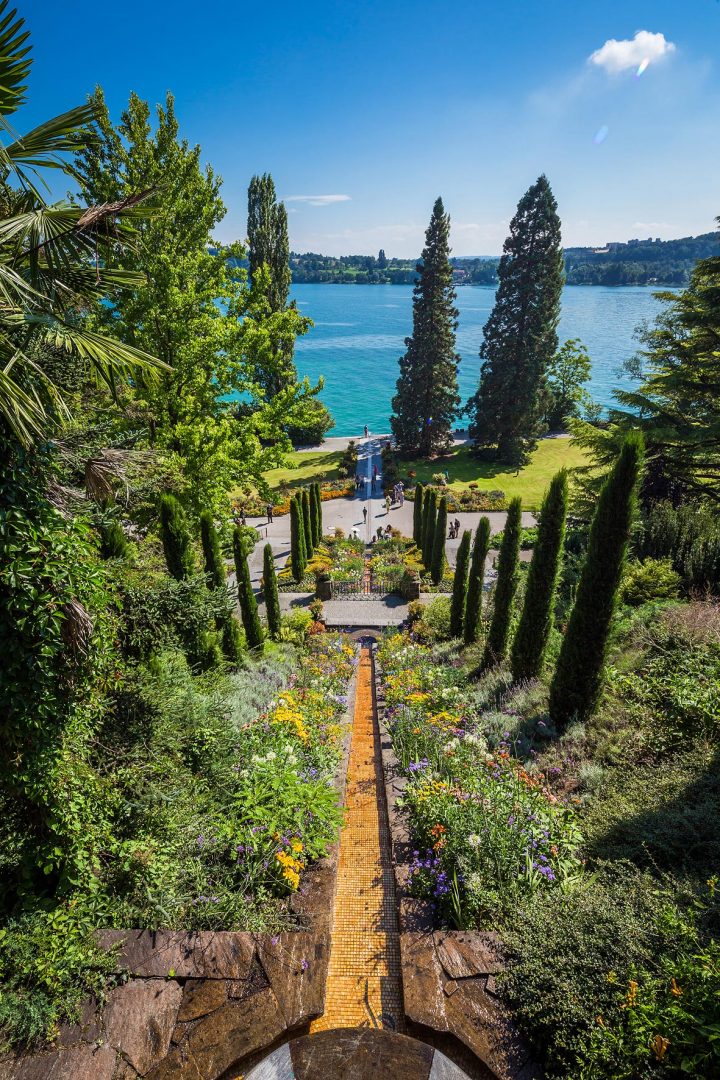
(493, 285)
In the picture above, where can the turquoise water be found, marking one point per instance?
(359, 335)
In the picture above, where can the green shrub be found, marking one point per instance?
(653, 579)
(113, 541)
(176, 539)
(212, 554)
(436, 616)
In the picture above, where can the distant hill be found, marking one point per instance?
(637, 262)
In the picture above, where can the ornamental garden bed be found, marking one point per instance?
(468, 499)
(255, 505)
(340, 557)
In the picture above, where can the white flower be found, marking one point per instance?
(474, 840)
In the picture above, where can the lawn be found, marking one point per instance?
(303, 468)
(530, 483)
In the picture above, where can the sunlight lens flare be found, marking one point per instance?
(642, 66)
(601, 135)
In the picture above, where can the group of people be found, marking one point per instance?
(454, 529)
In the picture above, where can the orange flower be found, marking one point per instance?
(675, 989)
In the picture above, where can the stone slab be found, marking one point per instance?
(75, 1063)
(202, 955)
(200, 997)
(229, 1034)
(422, 981)
(465, 953)
(140, 1018)
(296, 966)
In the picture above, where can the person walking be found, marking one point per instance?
(388, 504)
(457, 526)
(269, 509)
(365, 514)
(242, 517)
(366, 431)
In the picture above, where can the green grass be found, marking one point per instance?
(303, 468)
(530, 483)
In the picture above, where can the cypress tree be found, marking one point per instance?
(476, 580)
(505, 587)
(520, 337)
(418, 514)
(212, 555)
(578, 680)
(438, 556)
(246, 596)
(176, 540)
(270, 589)
(318, 514)
(427, 397)
(232, 642)
(429, 534)
(459, 591)
(307, 525)
(297, 538)
(533, 630)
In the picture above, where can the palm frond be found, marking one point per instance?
(15, 60)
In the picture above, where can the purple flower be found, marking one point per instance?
(304, 965)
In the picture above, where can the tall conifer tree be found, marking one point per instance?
(533, 630)
(438, 555)
(246, 596)
(578, 680)
(505, 586)
(175, 537)
(418, 514)
(476, 580)
(520, 337)
(307, 524)
(429, 531)
(297, 538)
(270, 591)
(427, 397)
(212, 555)
(459, 591)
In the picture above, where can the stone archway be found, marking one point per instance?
(356, 1054)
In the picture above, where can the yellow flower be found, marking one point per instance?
(675, 989)
(631, 996)
(659, 1046)
(296, 844)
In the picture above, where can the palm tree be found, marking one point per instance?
(55, 259)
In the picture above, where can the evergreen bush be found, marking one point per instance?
(536, 621)
(505, 587)
(175, 537)
(246, 596)
(578, 680)
(270, 590)
(459, 591)
(476, 579)
(438, 556)
(429, 534)
(307, 524)
(418, 514)
(297, 538)
(212, 554)
(113, 541)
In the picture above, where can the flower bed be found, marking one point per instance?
(466, 499)
(341, 558)
(255, 506)
(487, 831)
(285, 808)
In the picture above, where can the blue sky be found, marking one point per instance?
(375, 108)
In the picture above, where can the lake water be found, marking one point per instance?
(359, 335)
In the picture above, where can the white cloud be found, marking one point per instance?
(318, 200)
(616, 56)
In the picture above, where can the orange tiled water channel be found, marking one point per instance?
(364, 987)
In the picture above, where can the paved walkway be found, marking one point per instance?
(364, 984)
